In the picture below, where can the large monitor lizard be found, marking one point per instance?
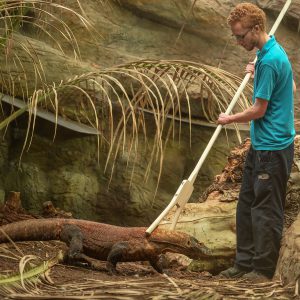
(87, 239)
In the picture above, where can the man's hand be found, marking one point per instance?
(250, 68)
(224, 119)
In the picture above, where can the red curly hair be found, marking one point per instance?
(249, 15)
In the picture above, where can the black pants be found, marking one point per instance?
(260, 209)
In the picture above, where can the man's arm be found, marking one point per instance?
(256, 111)
(294, 86)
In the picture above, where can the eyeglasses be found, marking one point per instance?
(240, 37)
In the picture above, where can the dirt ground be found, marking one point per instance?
(134, 280)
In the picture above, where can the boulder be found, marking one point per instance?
(288, 267)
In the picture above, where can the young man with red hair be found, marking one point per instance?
(260, 209)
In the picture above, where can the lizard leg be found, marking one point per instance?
(157, 264)
(115, 255)
(92, 263)
(72, 236)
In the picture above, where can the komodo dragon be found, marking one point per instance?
(89, 240)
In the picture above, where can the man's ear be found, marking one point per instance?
(256, 28)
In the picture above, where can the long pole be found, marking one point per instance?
(186, 188)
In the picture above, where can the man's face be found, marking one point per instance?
(246, 37)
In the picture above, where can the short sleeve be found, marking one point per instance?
(265, 83)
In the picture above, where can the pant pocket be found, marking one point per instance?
(263, 175)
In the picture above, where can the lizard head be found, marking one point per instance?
(195, 248)
(179, 242)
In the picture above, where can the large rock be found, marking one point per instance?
(276, 5)
(213, 223)
(288, 268)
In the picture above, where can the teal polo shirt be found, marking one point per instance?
(273, 81)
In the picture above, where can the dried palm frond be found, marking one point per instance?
(26, 274)
(117, 102)
(69, 282)
(22, 68)
(44, 16)
(32, 270)
(156, 288)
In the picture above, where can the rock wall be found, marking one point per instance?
(152, 29)
(66, 172)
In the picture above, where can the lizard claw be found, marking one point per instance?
(111, 268)
(75, 255)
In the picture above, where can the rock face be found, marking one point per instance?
(213, 223)
(276, 5)
(133, 30)
(288, 268)
(67, 171)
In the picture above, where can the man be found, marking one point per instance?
(260, 209)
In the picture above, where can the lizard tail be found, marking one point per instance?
(31, 230)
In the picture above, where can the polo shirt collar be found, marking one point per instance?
(267, 46)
